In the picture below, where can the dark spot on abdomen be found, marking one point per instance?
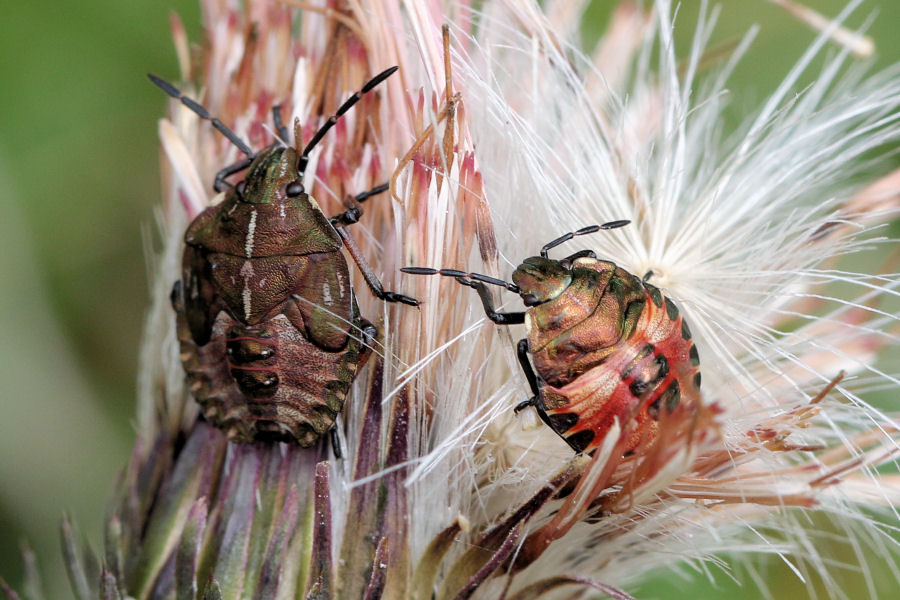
(258, 384)
(670, 398)
(671, 310)
(685, 330)
(579, 441)
(654, 293)
(562, 422)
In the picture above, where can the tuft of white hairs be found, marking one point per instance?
(729, 225)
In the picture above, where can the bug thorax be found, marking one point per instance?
(596, 308)
(270, 176)
(541, 279)
(265, 215)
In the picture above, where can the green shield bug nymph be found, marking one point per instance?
(270, 331)
(605, 344)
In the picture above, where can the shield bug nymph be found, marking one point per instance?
(271, 334)
(605, 344)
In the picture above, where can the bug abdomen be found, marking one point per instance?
(254, 382)
(252, 356)
(655, 369)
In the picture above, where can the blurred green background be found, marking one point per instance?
(79, 174)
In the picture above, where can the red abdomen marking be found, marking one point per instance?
(655, 369)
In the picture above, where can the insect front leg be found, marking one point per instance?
(367, 272)
(354, 210)
(580, 254)
(500, 318)
(219, 184)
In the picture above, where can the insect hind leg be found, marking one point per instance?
(335, 442)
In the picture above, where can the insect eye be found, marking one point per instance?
(240, 188)
(294, 189)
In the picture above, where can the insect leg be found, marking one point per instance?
(279, 123)
(524, 404)
(335, 442)
(507, 318)
(219, 184)
(352, 214)
(176, 297)
(522, 353)
(367, 272)
(368, 334)
(575, 256)
(463, 277)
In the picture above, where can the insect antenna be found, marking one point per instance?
(347, 105)
(461, 276)
(201, 112)
(583, 231)
(362, 197)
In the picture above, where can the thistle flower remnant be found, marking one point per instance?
(496, 136)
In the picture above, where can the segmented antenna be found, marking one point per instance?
(347, 105)
(201, 112)
(362, 197)
(466, 278)
(461, 276)
(583, 231)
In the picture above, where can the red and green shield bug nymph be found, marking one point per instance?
(271, 335)
(605, 345)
